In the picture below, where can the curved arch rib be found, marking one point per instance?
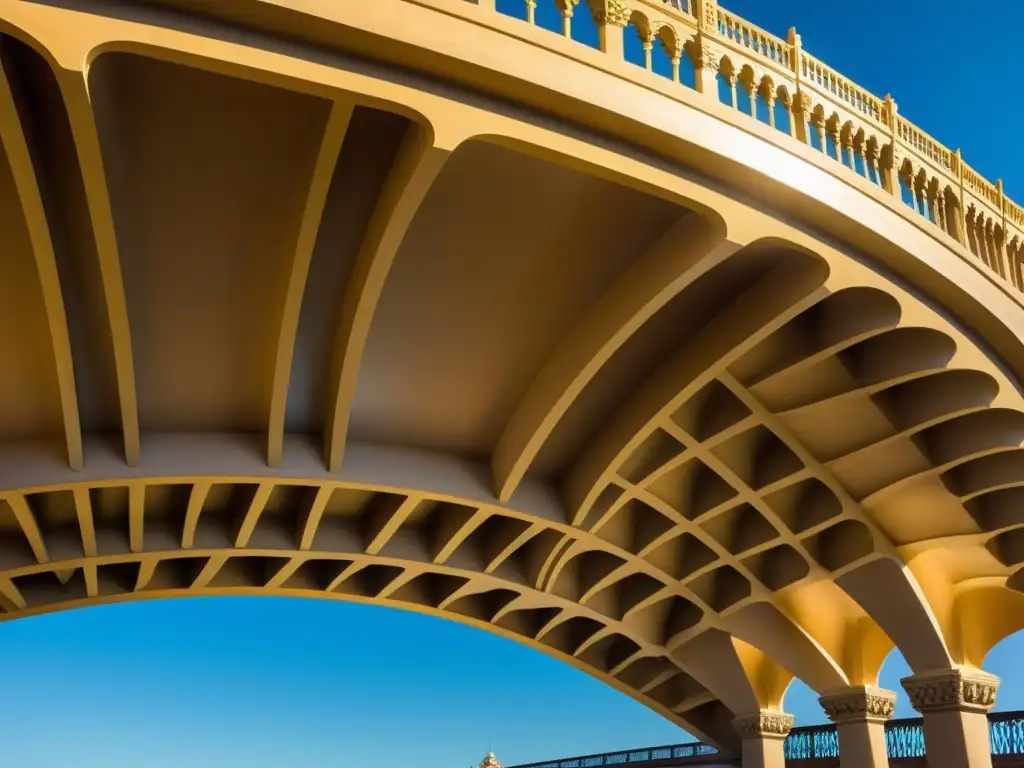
(417, 165)
(316, 198)
(15, 145)
(690, 248)
(748, 320)
(74, 88)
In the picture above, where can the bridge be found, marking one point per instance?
(623, 329)
(811, 747)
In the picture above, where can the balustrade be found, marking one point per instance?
(862, 132)
(903, 739)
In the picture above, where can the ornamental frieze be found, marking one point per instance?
(612, 12)
(765, 724)
(862, 703)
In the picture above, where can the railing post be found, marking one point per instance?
(860, 714)
(890, 160)
(954, 704)
(702, 53)
(611, 17)
(1001, 240)
(706, 12)
(796, 48)
(800, 116)
(800, 104)
(957, 219)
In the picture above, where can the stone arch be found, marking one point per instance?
(642, 23)
(748, 76)
(448, 556)
(847, 136)
(719, 398)
(782, 95)
(726, 68)
(668, 36)
(986, 615)
(747, 80)
(1015, 259)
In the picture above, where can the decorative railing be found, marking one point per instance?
(811, 742)
(903, 739)
(862, 132)
(646, 755)
(1006, 733)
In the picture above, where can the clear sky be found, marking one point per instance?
(289, 683)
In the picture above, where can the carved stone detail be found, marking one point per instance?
(860, 703)
(711, 15)
(615, 13)
(802, 102)
(706, 57)
(963, 690)
(766, 724)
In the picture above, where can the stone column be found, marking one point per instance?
(705, 67)
(611, 17)
(954, 704)
(860, 714)
(764, 735)
(800, 113)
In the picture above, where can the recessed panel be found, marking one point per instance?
(208, 179)
(505, 255)
(29, 399)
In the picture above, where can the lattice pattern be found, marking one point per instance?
(719, 450)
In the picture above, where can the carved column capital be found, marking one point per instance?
(858, 704)
(615, 13)
(962, 690)
(802, 102)
(704, 57)
(766, 724)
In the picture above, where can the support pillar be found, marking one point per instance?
(705, 67)
(860, 714)
(764, 735)
(611, 17)
(954, 704)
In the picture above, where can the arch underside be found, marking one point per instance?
(268, 326)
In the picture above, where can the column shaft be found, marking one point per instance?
(954, 704)
(860, 714)
(764, 736)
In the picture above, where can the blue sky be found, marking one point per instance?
(267, 682)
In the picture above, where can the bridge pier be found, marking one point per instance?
(954, 704)
(860, 714)
(764, 736)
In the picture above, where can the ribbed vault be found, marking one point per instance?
(274, 321)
